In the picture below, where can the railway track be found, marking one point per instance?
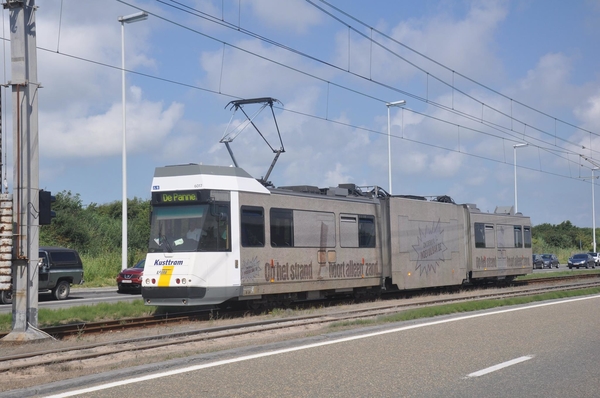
(82, 352)
(78, 329)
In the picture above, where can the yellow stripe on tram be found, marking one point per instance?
(165, 275)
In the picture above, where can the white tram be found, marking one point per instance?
(218, 235)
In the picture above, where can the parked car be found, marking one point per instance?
(130, 279)
(596, 257)
(59, 268)
(5, 296)
(581, 260)
(550, 261)
(537, 261)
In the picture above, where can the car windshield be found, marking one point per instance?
(580, 256)
(140, 264)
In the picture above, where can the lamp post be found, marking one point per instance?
(515, 163)
(138, 16)
(390, 104)
(594, 209)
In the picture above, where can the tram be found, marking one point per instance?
(219, 235)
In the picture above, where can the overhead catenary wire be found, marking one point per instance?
(428, 74)
(325, 119)
(451, 70)
(206, 16)
(358, 92)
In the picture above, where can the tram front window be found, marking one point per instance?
(197, 228)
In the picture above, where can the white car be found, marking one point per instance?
(596, 257)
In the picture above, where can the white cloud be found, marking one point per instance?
(453, 42)
(295, 15)
(446, 164)
(589, 112)
(249, 76)
(148, 123)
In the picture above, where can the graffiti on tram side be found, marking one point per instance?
(486, 262)
(430, 249)
(276, 272)
(251, 269)
(354, 269)
(518, 261)
(287, 272)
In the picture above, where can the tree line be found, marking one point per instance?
(562, 236)
(95, 229)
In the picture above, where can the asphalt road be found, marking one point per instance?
(79, 296)
(549, 349)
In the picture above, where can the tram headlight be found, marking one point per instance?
(183, 281)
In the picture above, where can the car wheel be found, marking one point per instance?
(6, 297)
(61, 291)
(570, 267)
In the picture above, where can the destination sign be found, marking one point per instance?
(178, 197)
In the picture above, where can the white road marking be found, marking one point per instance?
(500, 366)
(305, 347)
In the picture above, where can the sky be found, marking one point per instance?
(477, 77)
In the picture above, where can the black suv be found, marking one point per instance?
(59, 269)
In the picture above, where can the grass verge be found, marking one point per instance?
(566, 272)
(85, 313)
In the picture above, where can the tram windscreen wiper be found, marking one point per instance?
(167, 244)
(162, 240)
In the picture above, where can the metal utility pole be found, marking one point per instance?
(515, 164)
(25, 87)
(596, 167)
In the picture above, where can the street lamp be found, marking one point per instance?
(594, 209)
(515, 162)
(390, 104)
(138, 16)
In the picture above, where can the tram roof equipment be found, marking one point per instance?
(230, 135)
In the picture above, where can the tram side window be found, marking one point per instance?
(484, 235)
(518, 236)
(366, 231)
(314, 229)
(479, 235)
(489, 236)
(253, 226)
(282, 227)
(348, 230)
(505, 236)
(527, 236)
